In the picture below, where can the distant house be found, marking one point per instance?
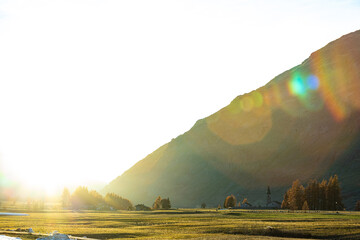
(246, 205)
(274, 205)
(142, 207)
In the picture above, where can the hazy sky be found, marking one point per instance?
(89, 87)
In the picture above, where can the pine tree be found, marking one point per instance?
(322, 195)
(285, 202)
(312, 194)
(296, 196)
(65, 198)
(305, 206)
(117, 202)
(337, 193)
(333, 195)
(165, 203)
(357, 206)
(316, 192)
(330, 198)
(80, 198)
(157, 203)
(95, 198)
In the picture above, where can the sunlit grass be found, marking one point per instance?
(189, 223)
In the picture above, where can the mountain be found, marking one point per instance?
(303, 124)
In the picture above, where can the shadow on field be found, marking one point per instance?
(348, 237)
(272, 232)
(109, 219)
(287, 220)
(113, 235)
(234, 214)
(262, 232)
(175, 213)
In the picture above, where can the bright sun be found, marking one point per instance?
(88, 88)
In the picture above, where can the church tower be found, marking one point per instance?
(268, 200)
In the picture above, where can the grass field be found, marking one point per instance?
(189, 223)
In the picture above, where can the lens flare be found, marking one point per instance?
(297, 86)
(257, 98)
(327, 82)
(312, 82)
(247, 103)
(300, 87)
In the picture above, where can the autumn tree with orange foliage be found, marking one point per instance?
(318, 196)
(230, 201)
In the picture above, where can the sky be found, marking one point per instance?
(90, 87)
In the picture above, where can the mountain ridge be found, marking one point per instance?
(301, 124)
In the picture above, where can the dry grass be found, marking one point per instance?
(190, 223)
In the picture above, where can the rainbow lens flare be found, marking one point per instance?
(299, 86)
(312, 82)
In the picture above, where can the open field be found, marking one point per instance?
(189, 223)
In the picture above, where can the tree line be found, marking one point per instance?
(324, 195)
(82, 198)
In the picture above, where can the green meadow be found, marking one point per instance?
(187, 223)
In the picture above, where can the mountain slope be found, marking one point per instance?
(305, 123)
